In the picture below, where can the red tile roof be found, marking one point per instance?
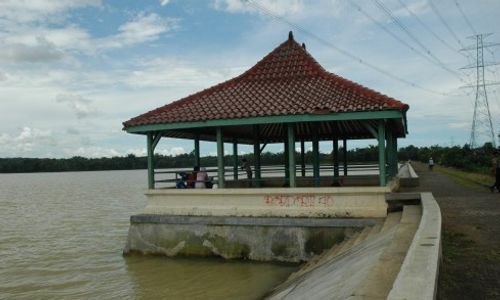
(288, 81)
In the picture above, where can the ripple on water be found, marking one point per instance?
(62, 238)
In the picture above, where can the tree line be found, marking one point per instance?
(186, 160)
(460, 157)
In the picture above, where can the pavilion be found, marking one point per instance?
(286, 97)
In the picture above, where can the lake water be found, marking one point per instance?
(62, 236)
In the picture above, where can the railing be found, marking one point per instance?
(173, 176)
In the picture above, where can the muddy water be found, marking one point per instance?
(62, 235)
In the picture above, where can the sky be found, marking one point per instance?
(72, 71)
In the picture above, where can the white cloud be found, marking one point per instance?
(3, 76)
(169, 151)
(280, 7)
(30, 11)
(39, 42)
(72, 131)
(143, 28)
(42, 51)
(164, 72)
(164, 2)
(459, 125)
(4, 139)
(26, 141)
(80, 106)
(92, 151)
(137, 152)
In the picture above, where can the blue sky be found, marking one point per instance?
(72, 71)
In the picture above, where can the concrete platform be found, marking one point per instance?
(337, 202)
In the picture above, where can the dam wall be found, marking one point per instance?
(336, 202)
(261, 239)
(266, 224)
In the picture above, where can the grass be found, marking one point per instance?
(467, 179)
(455, 246)
(457, 251)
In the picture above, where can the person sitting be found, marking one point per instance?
(245, 165)
(191, 178)
(201, 179)
(181, 183)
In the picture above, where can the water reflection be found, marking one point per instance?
(181, 278)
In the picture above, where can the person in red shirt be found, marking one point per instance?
(191, 178)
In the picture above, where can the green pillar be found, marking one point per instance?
(151, 171)
(336, 160)
(256, 154)
(344, 150)
(197, 151)
(395, 144)
(315, 146)
(302, 158)
(286, 154)
(220, 157)
(381, 152)
(291, 155)
(235, 160)
(394, 155)
(390, 153)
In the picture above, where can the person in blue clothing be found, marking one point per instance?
(181, 183)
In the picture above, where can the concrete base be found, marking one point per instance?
(261, 239)
(337, 202)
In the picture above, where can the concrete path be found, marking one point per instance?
(471, 237)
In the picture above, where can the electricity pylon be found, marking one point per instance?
(482, 124)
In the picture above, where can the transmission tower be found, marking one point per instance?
(482, 124)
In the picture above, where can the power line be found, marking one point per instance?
(436, 11)
(465, 18)
(435, 35)
(415, 39)
(395, 36)
(346, 53)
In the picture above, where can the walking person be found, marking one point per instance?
(431, 163)
(495, 167)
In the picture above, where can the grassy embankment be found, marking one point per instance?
(467, 179)
(464, 259)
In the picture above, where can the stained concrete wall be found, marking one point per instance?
(342, 202)
(261, 239)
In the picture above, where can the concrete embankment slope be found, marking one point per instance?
(396, 260)
(268, 224)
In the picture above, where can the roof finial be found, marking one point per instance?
(290, 36)
(304, 46)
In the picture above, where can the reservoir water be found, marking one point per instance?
(62, 236)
